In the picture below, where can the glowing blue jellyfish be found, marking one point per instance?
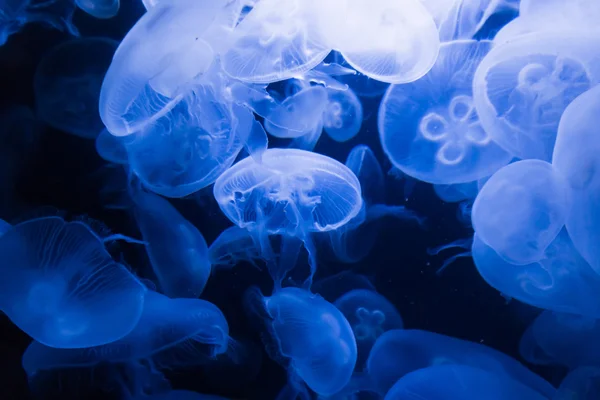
(575, 158)
(102, 9)
(343, 115)
(291, 193)
(67, 85)
(521, 209)
(399, 352)
(561, 339)
(232, 246)
(581, 383)
(112, 148)
(522, 87)
(176, 249)
(386, 40)
(561, 280)
(361, 84)
(430, 130)
(310, 332)
(61, 286)
(449, 382)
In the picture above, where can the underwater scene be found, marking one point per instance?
(299, 200)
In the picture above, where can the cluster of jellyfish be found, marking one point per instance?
(225, 101)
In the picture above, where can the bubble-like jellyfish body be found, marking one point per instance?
(171, 333)
(112, 148)
(312, 333)
(387, 40)
(291, 193)
(581, 383)
(156, 61)
(370, 315)
(450, 382)
(562, 339)
(102, 9)
(575, 157)
(343, 115)
(277, 40)
(60, 285)
(429, 129)
(561, 280)
(399, 352)
(192, 145)
(232, 246)
(67, 85)
(177, 250)
(457, 192)
(521, 209)
(522, 87)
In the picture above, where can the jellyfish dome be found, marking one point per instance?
(521, 209)
(60, 285)
(312, 333)
(343, 115)
(102, 9)
(430, 129)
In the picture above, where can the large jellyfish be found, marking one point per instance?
(521, 209)
(60, 285)
(67, 85)
(311, 333)
(291, 193)
(430, 130)
(522, 87)
(576, 158)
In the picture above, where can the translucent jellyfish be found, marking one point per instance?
(399, 352)
(582, 383)
(61, 286)
(430, 129)
(521, 209)
(343, 115)
(277, 40)
(310, 332)
(562, 339)
(176, 249)
(522, 87)
(575, 157)
(390, 41)
(291, 193)
(103, 9)
(67, 85)
(457, 192)
(561, 280)
(171, 333)
(449, 382)
(370, 315)
(232, 246)
(112, 148)
(361, 84)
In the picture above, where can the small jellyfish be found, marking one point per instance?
(581, 383)
(430, 130)
(67, 85)
(102, 9)
(343, 115)
(521, 209)
(522, 87)
(60, 285)
(310, 332)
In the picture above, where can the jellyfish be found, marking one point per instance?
(521, 209)
(449, 382)
(575, 158)
(361, 84)
(522, 87)
(290, 193)
(343, 115)
(176, 249)
(457, 192)
(309, 332)
(555, 338)
(430, 130)
(335, 286)
(390, 41)
(61, 287)
(232, 246)
(112, 148)
(560, 281)
(370, 315)
(399, 352)
(581, 383)
(67, 85)
(102, 9)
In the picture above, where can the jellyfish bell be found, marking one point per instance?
(102, 9)
(343, 115)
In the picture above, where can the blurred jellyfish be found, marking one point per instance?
(575, 157)
(343, 115)
(457, 192)
(112, 148)
(399, 352)
(582, 383)
(232, 246)
(521, 209)
(450, 382)
(522, 87)
(430, 130)
(176, 249)
(103, 9)
(568, 340)
(310, 333)
(291, 193)
(60, 285)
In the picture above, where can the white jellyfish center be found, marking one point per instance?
(333, 116)
(369, 325)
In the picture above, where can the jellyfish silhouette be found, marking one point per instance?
(61, 286)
